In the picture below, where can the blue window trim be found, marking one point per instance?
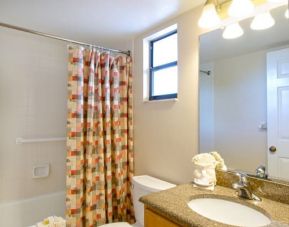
(160, 67)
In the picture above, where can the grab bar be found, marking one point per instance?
(39, 140)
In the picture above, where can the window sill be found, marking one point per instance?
(160, 100)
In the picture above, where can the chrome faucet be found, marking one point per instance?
(243, 189)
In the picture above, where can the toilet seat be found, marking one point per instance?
(117, 224)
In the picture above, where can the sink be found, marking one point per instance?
(228, 212)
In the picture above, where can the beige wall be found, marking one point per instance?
(166, 132)
(240, 106)
(33, 74)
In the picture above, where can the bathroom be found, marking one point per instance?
(204, 110)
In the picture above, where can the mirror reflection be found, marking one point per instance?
(244, 97)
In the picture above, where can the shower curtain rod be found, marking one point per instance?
(60, 38)
(206, 72)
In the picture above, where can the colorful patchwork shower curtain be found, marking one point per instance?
(99, 139)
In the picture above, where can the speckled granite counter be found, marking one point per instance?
(172, 204)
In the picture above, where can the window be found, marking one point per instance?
(163, 81)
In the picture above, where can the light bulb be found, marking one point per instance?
(287, 14)
(210, 17)
(262, 21)
(233, 31)
(241, 8)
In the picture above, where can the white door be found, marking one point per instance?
(278, 113)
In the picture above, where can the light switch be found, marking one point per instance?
(263, 125)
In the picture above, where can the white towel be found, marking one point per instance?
(204, 174)
(220, 161)
(52, 221)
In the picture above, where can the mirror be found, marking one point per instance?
(244, 97)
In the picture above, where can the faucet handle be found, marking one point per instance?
(261, 172)
(242, 178)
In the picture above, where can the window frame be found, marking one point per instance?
(153, 69)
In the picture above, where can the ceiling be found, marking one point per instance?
(102, 22)
(213, 47)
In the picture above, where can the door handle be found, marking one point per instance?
(273, 149)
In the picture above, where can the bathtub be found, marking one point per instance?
(27, 212)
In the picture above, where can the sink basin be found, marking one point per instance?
(228, 212)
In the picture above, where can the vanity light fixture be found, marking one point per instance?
(262, 21)
(287, 14)
(209, 17)
(241, 8)
(233, 31)
(238, 9)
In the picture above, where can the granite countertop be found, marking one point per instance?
(172, 204)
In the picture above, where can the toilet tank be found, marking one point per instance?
(143, 185)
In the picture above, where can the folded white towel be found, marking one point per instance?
(220, 161)
(204, 175)
(204, 159)
(52, 221)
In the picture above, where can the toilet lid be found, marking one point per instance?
(117, 224)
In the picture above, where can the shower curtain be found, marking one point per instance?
(99, 139)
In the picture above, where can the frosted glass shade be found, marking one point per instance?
(233, 31)
(262, 21)
(287, 14)
(241, 8)
(209, 17)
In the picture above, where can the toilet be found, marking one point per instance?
(142, 185)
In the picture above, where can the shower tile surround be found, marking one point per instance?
(33, 105)
(33, 79)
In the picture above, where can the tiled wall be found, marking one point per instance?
(33, 74)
